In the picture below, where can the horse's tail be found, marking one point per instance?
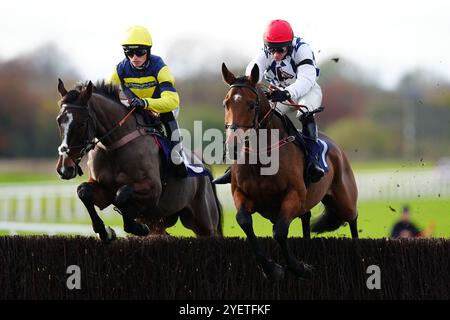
(219, 208)
(328, 220)
(216, 198)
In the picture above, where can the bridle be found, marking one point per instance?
(89, 135)
(255, 124)
(88, 140)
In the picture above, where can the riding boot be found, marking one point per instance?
(176, 155)
(226, 178)
(314, 171)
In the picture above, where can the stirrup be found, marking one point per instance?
(179, 169)
(315, 172)
(226, 178)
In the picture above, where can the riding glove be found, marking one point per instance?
(138, 103)
(280, 95)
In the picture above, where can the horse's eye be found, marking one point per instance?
(251, 105)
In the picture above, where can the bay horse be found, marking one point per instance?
(127, 168)
(284, 196)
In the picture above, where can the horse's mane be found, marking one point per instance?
(106, 89)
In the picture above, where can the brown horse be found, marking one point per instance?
(127, 168)
(283, 196)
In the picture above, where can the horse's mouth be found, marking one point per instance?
(67, 174)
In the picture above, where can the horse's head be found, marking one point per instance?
(241, 103)
(242, 106)
(76, 129)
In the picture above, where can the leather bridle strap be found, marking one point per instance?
(235, 126)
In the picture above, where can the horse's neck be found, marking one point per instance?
(269, 120)
(276, 132)
(108, 113)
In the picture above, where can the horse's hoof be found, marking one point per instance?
(144, 230)
(278, 272)
(138, 229)
(302, 270)
(275, 272)
(108, 236)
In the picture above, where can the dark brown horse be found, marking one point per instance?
(284, 196)
(127, 168)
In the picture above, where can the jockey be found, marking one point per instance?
(148, 83)
(288, 63)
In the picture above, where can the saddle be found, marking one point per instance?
(151, 123)
(302, 142)
(154, 126)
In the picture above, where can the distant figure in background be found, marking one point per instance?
(405, 228)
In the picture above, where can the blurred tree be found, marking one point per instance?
(368, 121)
(364, 139)
(342, 100)
(426, 115)
(28, 99)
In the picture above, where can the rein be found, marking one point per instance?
(257, 125)
(90, 141)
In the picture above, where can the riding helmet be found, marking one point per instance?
(278, 34)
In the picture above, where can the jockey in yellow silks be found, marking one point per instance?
(148, 83)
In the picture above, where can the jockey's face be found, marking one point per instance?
(138, 61)
(137, 55)
(278, 54)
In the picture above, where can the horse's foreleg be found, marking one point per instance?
(289, 207)
(280, 233)
(91, 193)
(306, 225)
(270, 268)
(354, 228)
(124, 201)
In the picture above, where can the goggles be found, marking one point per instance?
(272, 50)
(138, 52)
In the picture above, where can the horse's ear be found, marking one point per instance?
(254, 75)
(86, 94)
(228, 77)
(61, 89)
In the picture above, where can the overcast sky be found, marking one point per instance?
(385, 37)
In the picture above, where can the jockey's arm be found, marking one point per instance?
(169, 99)
(262, 60)
(115, 80)
(306, 73)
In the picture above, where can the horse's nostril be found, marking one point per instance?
(67, 172)
(63, 150)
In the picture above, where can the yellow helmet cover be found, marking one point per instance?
(137, 35)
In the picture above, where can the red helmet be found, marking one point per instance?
(278, 34)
